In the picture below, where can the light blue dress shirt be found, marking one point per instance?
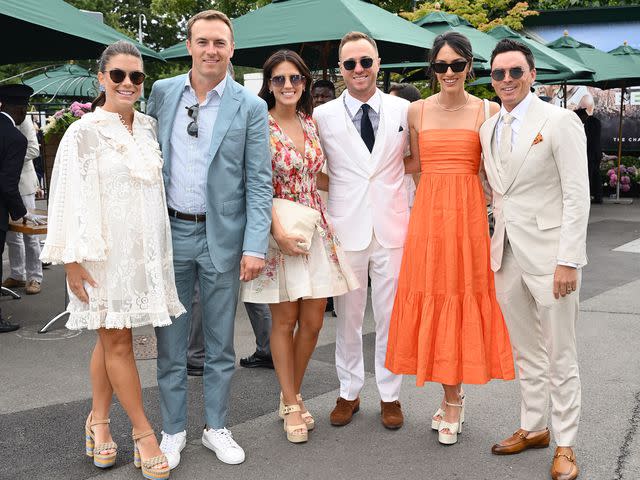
(187, 191)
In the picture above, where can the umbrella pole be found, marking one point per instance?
(387, 81)
(564, 93)
(620, 142)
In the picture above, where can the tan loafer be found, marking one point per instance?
(13, 283)
(391, 412)
(520, 441)
(32, 288)
(343, 411)
(564, 466)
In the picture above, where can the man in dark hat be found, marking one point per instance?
(13, 148)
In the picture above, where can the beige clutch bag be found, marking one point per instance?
(297, 219)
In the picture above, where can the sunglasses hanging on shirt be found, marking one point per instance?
(118, 76)
(499, 74)
(192, 128)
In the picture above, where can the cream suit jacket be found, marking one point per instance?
(367, 194)
(541, 200)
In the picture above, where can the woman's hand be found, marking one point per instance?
(290, 244)
(76, 276)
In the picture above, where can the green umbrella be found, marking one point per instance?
(34, 30)
(611, 70)
(66, 81)
(313, 28)
(625, 49)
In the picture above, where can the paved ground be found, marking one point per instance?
(45, 393)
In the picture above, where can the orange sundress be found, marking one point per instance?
(446, 325)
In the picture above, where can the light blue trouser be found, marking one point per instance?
(219, 297)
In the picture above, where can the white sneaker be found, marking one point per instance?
(222, 443)
(172, 445)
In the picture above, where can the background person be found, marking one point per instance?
(24, 250)
(537, 250)
(214, 138)
(297, 279)
(446, 325)
(364, 137)
(323, 91)
(408, 91)
(108, 224)
(13, 148)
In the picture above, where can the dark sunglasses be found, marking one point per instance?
(280, 80)
(456, 67)
(365, 62)
(192, 128)
(118, 76)
(499, 74)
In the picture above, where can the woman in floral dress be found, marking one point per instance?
(296, 281)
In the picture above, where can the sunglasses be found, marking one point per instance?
(192, 128)
(365, 62)
(279, 80)
(456, 67)
(118, 76)
(499, 74)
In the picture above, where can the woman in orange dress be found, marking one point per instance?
(446, 325)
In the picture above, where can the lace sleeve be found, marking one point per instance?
(74, 231)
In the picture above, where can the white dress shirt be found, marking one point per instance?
(518, 114)
(354, 109)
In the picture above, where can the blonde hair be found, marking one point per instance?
(209, 15)
(355, 36)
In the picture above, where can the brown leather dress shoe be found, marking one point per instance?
(391, 412)
(13, 283)
(343, 411)
(519, 442)
(564, 466)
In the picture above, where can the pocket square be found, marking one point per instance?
(400, 129)
(537, 140)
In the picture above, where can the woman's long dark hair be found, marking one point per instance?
(121, 47)
(305, 104)
(458, 42)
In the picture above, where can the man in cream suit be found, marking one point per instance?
(364, 135)
(536, 161)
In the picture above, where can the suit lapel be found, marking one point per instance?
(490, 156)
(362, 155)
(229, 106)
(532, 123)
(381, 136)
(171, 106)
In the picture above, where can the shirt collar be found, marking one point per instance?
(520, 110)
(219, 89)
(9, 117)
(353, 104)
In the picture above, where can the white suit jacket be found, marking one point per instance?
(367, 194)
(541, 200)
(28, 178)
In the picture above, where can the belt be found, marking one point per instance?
(197, 217)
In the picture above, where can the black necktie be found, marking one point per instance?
(366, 129)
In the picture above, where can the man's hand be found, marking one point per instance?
(250, 267)
(76, 276)
(35, 219)
(565, 281)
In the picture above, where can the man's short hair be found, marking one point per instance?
(408, 91)
(354, 36)
(509, 45)
(209, 15)
(324, 84)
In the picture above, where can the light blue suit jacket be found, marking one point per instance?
(239, 184)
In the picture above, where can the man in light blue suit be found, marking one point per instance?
(217, 170)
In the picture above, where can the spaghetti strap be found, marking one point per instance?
(422, 114)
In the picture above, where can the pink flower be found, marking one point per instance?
(625, 180)
(625, 187)
(611, 172)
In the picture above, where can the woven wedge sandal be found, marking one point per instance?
(93, 450)
(295, 433)
(150, 467)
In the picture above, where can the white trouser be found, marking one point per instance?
(542, 331)
(383, 265)
(24, 250)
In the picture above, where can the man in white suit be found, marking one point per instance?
(536, 161)
(364, 135)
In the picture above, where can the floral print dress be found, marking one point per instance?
(324, 272)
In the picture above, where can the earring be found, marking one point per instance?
(101, 88)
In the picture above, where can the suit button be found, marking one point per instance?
(506, 197)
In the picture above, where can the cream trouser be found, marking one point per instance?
(383, 266)
(542, 331)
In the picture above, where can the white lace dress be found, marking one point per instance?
(107, 211)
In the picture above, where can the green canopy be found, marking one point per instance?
(313, 28)
(34, 30)
(611, 70)
(65, 81)
(625, 49)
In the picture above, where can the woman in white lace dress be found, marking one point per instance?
(108, 225)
